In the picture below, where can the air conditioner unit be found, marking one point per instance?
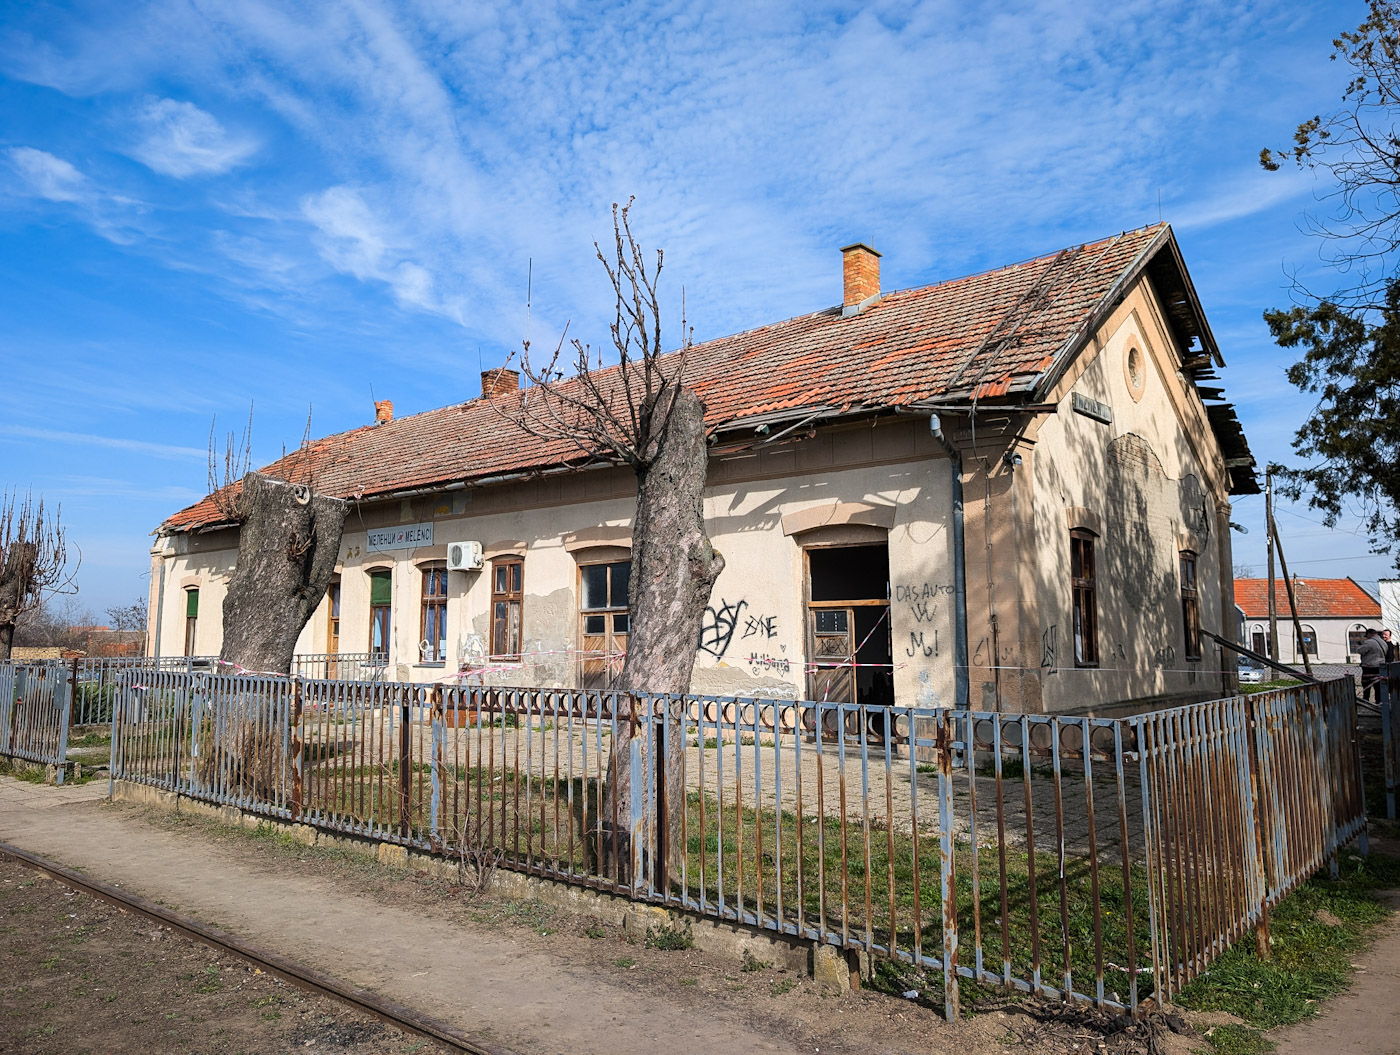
(464, 556)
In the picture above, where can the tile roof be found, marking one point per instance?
(985, 335)
(1317, 599)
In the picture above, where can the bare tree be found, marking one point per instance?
(1242, 571)
(128, 617)
(33, 561)
(638, 413)
(1358, 145)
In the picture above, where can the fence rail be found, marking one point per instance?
(1100, 860)
(35, 704)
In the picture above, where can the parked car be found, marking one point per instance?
(1251, 675)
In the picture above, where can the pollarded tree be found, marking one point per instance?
(33, 561)
(640, 413)
(288, 540)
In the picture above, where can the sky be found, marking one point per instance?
(207, 206)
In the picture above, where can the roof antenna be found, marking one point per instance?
(529, 289)
(1159, 204)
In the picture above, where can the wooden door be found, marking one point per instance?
(831, 645)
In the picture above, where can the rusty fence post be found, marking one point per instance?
(946, 867)
(405, 761)
(298, 750)
(1259, 819)
(439, 731)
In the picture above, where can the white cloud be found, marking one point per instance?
(156, 450)
(49, 176)
(181, 140)
(354, 241)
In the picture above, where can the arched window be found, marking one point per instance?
(1354, 638)
(1308, 642)
(381, 612)
(432, 626)
(191, 619)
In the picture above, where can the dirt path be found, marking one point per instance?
(104, 980)
(1364, 1020)
(511, 989)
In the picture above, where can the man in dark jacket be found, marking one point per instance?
(1371, 652)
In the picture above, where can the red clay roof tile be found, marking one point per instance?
(981, 335)
(1317, 599)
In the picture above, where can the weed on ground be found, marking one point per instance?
(1314, 934)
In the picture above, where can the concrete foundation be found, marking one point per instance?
(826, 964)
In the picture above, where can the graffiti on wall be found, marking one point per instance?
(718, 626)
(919, 647)
(761, 626)
(763, 663)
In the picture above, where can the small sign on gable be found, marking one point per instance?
(1092, 408)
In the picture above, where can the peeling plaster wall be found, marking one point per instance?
(755, 634)
(1154, 481)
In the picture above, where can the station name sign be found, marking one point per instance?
(409, 536)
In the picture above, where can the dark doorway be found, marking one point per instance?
(848, 625)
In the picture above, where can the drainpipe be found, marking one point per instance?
(961, 672)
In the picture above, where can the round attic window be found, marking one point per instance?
(1135, 370)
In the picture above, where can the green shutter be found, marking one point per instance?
(191, 604)
(380, 587)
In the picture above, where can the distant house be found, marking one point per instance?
(1334, 614)
(41, 653)
(1008, 491)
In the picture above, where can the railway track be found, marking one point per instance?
(297, 974)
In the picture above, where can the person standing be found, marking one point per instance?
(1389, 646)
(1371, 652)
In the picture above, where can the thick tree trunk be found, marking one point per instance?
(17, 572)
(287, 547)
(674, 568)
(288, 542)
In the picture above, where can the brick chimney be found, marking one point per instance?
(383, 411)
(860, 274)
(500, 380)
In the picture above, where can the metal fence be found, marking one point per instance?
(1101, 860)
(35, 706)
(341, 666)
(96, 680)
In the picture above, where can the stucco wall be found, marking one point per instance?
(761, 511)
(1331, 636)
(1150, 483)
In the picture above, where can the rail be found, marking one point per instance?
(1099, 860)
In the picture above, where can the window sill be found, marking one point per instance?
(418, 665)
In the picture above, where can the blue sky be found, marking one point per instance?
(206, 203)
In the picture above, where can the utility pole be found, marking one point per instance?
(1273, 606)
(1292, 603)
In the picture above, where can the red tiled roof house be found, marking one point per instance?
(1334, 614)
(1010, 490)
